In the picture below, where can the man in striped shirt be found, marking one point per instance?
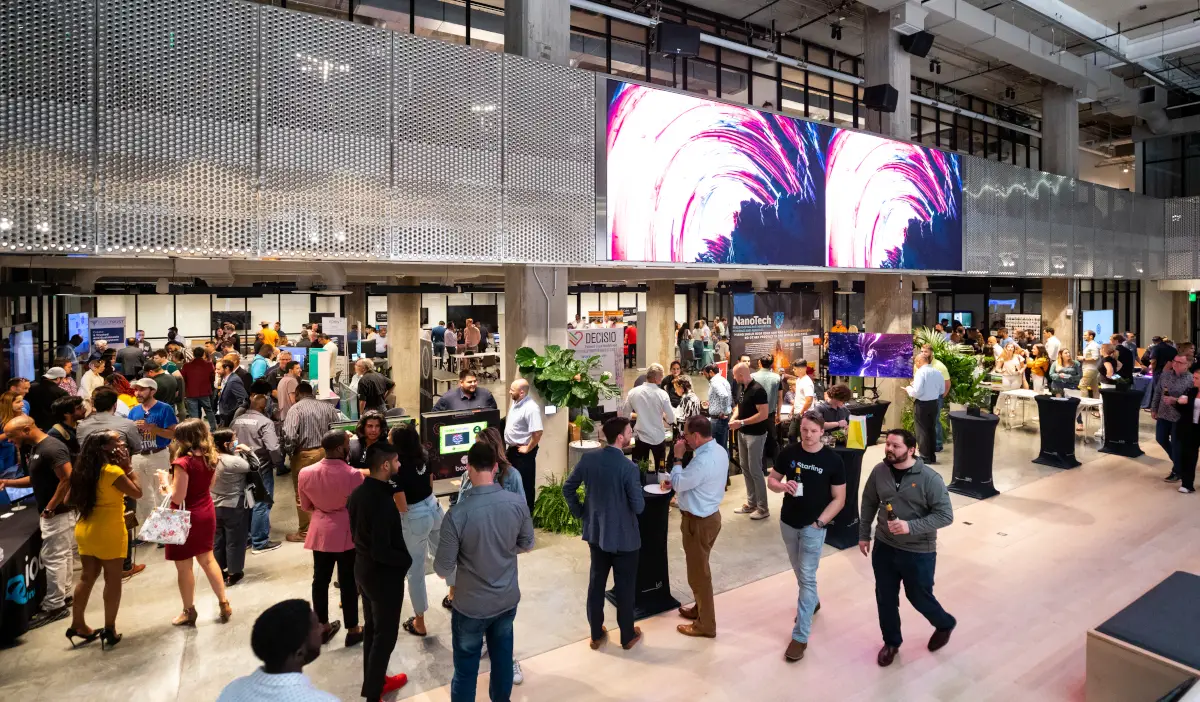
(306, 423)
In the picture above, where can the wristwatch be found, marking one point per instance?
(820, 524)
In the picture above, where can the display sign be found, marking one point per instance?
(240, 319)
(335, 327)
(320, 371)
(609, 345)
(1024, 322)
(691, 180)
(77, 325)
(871, 355)
(1099, 321)
(426, 374)
(774, 324)
(458, 438)
(110, 329)
(381, 317)
(447, 436)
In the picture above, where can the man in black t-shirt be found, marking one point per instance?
(49, 476)
(813, 482)
(372, 387)
(750, 422)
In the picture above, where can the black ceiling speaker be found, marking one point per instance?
(881, 97)
(917, 44)
(677, 39)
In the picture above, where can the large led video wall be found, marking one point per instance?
(691, 180)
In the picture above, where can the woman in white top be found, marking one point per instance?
(689, 403)
(1012, 368)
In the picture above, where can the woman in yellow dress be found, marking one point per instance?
(100, 480)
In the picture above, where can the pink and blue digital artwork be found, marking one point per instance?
(692, 180)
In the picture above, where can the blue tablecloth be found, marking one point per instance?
(1141, 382)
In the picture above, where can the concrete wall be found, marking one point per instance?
(1158, 312)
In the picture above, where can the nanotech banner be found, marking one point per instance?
(609, 345)
(776, 324)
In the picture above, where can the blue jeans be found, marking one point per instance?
(804, 551)
(1164, 432)
(915, 570)
(720, 431)
(193, 409)
(260, 514)
(422, 525)
(939, 438)
(439, 348)
(468, 636)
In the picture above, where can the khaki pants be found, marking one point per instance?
(302, 459)
(699, 535)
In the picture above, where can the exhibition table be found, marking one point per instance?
(974, 443)
(1149, 647)
(653, 578)
(874, 412)
(842, 530)
(1122, 412)
(1057, 419)
(1021, 397)
(21, 573)
(1141, 382)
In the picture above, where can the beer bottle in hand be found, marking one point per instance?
(891, 513)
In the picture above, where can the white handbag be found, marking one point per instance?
(166, 525)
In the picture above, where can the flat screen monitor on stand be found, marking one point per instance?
(448, 436)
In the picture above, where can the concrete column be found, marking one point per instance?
(1180, 311)
(535, 315)
(404, 346)
(659, 334)
(1060, 130)
(1158, 312)
(539, 29)
(356, 307)
(886, 62)
(1056, 298)
(887, 306)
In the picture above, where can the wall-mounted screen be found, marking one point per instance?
(967, 319)
(691, 180)
(871, 355)
(77, 324)
(1100, 322)
(23, 357)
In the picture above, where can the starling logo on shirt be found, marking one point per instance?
(801, 466)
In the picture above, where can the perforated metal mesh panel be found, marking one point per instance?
(46, 134)
(1182, 237)
(175, 166)
(1062, 201)
(994, 202)
(1083, 235)
(549, 161)
(326, 118)
(448, 104)
(1148, 214)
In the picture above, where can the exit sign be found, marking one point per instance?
(1191, 297)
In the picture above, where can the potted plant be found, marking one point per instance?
(550, 510)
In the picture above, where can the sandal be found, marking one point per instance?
(408, 626)
(447, 602)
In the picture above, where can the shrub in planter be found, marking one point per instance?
(550, 510)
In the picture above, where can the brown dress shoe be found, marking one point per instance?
(296, 538)
(887, 654)
(795, 650)
(137, 568)
(637, 636)
(595, 643)
(689, 613)
(691, 630)
(940, 638)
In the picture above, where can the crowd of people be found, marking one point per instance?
(207, 431)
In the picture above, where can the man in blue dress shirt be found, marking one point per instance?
(927, 386)
(699, 489)
(610, 526)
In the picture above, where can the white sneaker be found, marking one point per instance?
(518, 676)
(1185, 490)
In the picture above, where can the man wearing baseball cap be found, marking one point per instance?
(156, 421)
(41, 397)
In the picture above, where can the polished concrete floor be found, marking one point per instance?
(159, 662)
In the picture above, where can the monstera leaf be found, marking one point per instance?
(561, 379)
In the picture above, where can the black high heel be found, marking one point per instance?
(84, 638)
(108, 639)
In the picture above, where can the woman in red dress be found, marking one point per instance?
(193, 465)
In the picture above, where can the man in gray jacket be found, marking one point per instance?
(909, 502)
(610, 526)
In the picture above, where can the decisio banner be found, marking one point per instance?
(609, 345)
(110, 329)
(775, 324)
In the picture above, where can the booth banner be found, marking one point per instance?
(77, 325)
(335, 327)
(110, 329)
(320, 373)
(1024, 322)
(609, 345)
(426, 376)
(381, 317)
(775, 324)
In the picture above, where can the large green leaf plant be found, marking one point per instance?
(563, 380)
